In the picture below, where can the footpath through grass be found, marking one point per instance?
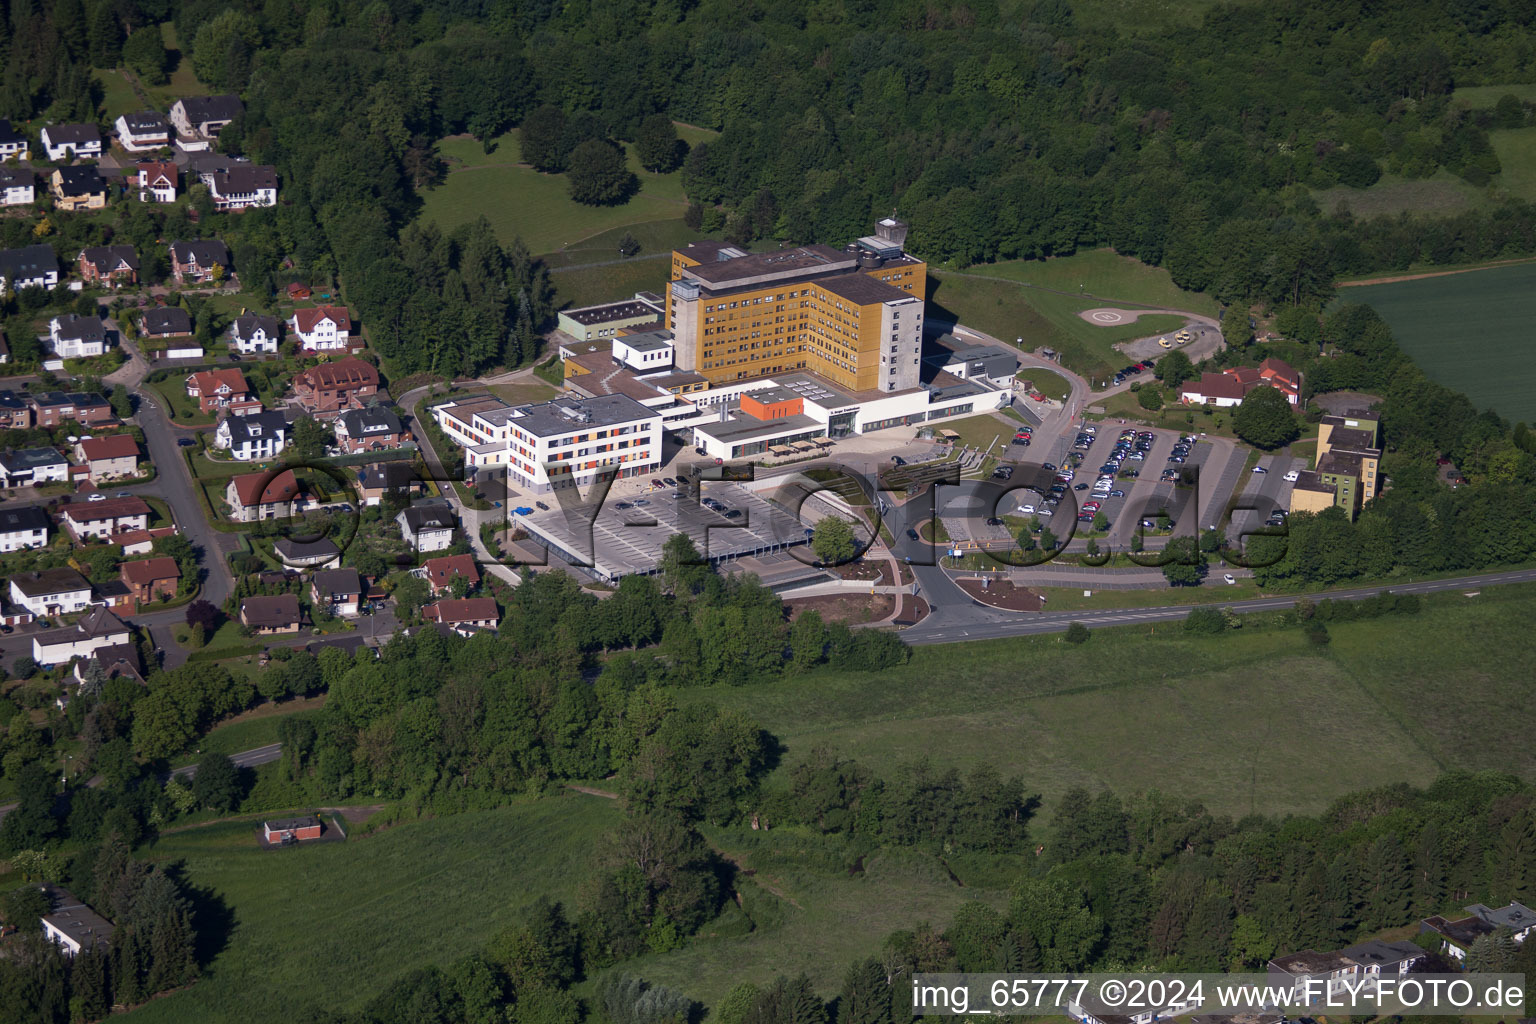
(1252, 720)
(333, 924)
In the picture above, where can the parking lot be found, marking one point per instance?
(1264, 492)
(621, 541)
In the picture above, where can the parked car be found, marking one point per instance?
(185, 442)
(1291, 477)
(911, 534)
(523, 510)
(541, 506)
(1260, 469)
(1229, 579)
(994, 521)
(897, 460)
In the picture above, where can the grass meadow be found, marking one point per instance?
(332, 924)
(1469, 331)
(1042, 318)
(1252, 720)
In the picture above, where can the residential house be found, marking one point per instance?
(71, 924)
(86, 408)
(380, 478)
(78, 188)
(73, 336)
(25, 526)
(151, 579)
(142, 542)
(15, 411)
(340, 591)
(1228, 388)
(290, 830)
(199, 119)
(143, 132)
(26, 466)
(32, 266)
(251, 334)
(118, 661)
(110, 265)
(102, 519)
(298, 291)
(72, 142)
(441, 572)
(327, 389)
(254, 437)
(156, 180)
(13, 144)
(322, 328)
(18, 186)
(197, 262)
(96, 629)
(464, 615)
(108, 458)
(51, 591)
(1319, 977)
(268, 495)
(427, 527)
(373, 429)
(275, 614)
(1456, 936)
(306, 554)
(242, 186)
(222, 389)
(165, 322)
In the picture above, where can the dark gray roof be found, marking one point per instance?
(74, 327)
(9, 135)
(389, 475)
(16, 177)
(27, 517)
(863, 289)
(163, 320)
(1383, 954)
(294, 551)
(257, 425)
(84, 180)
(78, 134)
(568, 415)
(243, 178)
(287, 824)
(376, 419)
(24, 459)
(74, 919)
(212, 108)
(274, 610)
(338, 581)
(145, 121)
(248, 324)
(105, 258)
(204, 252)
(30, 261)
(41, 583)
(426, 517)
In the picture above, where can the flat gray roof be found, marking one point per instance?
(647, 341)
(745, 427)
(567, 415)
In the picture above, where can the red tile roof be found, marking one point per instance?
(113, 446)
(464, 609)
(1280, 369)
(1215, 385)
(441, 571)
(207, 382)
(265, 488)
(348, 372)
(112, 508)
(149, 570)
(306, 319)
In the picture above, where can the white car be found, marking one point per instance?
(1089, 428)
(1290, 477)
(1229, 578)
(1027, 508)
(1260, 469)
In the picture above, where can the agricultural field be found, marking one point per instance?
(1516, 149)
(1469, 331)
(1253, 720)
(523, 203)
(1044, 319)
(331, 924)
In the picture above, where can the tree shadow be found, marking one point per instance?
(213, 920)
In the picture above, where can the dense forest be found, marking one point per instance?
(998, 130)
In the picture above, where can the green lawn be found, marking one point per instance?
(1440, 194)
(1047, 382)
(1479, 97)
(586, 286)
(183, 80)
(657, 238)
(183, 409)
(1470, 332)
(979, 431)
(522, 203)
(332, 924)
(1041, 318)
(254, 728)
(1105, 275)
(1516, 149)
(117, 96)
(1250, 720)
(520, 392)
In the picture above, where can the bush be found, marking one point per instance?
(25, 667)
(1077, 633)
(1204, 620)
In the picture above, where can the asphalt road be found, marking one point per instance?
(954, 628)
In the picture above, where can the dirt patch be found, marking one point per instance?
(1433, 273)
(868, 571)
(849, 608)
(913, 611)
(355, 815)
(592, 792)
(1003, 594)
